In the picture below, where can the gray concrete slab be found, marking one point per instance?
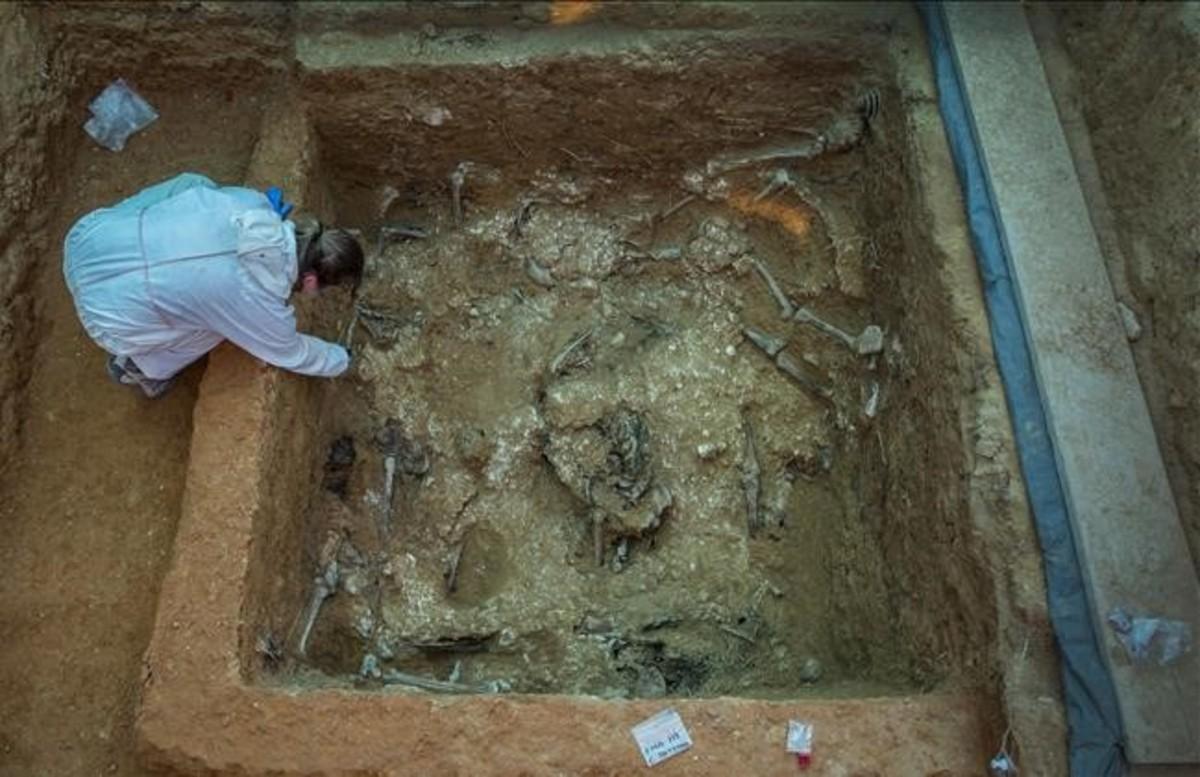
(1122, 511)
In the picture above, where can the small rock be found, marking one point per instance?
(650, 683)
(707, 451)
(730, 350)
(810, 670)
(436, 116)
(593, 624)
(1133, 327)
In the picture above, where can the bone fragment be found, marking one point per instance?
(769, 344)
(750, 477)
(786, 310)
(538, 273)
(395, 677)
(573, 354)
(324, 585)
(452, 567)
(458, 180)
(868, 342)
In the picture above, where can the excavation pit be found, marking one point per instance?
(664, 513)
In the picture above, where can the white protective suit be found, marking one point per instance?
(169, 273)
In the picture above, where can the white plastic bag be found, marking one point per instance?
(1151, 639)
(117, 113)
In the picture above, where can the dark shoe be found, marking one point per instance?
(123, 371)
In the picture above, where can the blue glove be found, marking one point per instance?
(275, 197)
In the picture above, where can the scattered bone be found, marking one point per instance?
(871, 409)
(790, 367)
(750, 476)
(592, 624)
(639, 521)
(504, 131)
(598, 536)
(467, 643)
(627, 432)
(773, 347)
(389, 495)
(270, 650)
(868, 105)
(392, 233)
(597, 520)
(786, 310)
(411, 457)
(667, 253)
(846, 241)
(811, 148)
(452, 564)
(570, 153)
(662, 622)
(458, 180)
(736, 633)
(369, 668)
(621, 556)
(779, 178)
(400, 455)
(671, 211)
(388, 196)
(539, 273)
(841, 134)
(866, 343)
(395, 677)
(576, 354)
(769, 344)
(522, 215)
(324, 586)
(380, 325)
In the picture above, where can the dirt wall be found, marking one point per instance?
(937, 582)
(1136, 68)
(31, 107)
(616, 111)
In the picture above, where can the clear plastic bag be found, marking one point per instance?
(1151, 639)
(117, 113)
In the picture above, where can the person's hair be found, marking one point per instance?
(333, 254)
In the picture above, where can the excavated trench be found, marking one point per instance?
(583, 449)
(582, 452)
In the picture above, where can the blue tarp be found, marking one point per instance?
(1092, 713)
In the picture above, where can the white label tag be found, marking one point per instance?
(799, 737)
(661, 737)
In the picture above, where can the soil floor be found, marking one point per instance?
(90, 505)
(598, 527)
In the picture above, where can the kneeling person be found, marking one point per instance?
(161, 278)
